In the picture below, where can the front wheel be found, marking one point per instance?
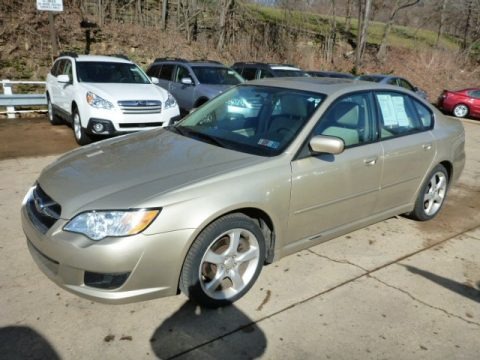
(224, 261)
(81, 135)
(52, 116)
(432, 195)
(460, 110)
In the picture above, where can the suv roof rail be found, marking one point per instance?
(121, 56)
(250, 63)
(207, 60)
(169, 59)
(68, 53)
(276, 64)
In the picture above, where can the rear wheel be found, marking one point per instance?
(432, 195)
(52, 116)
(224, 261)
(460, 110)
(81, 135)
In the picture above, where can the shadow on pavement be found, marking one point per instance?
(199, 333)
(462, 289)
(21, 342)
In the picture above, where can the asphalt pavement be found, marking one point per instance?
(398, 289)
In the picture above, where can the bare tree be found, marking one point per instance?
(364, 7)
(398, 5)
(226, 15)
(443, 15)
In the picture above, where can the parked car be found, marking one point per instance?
(105, 95)
(394, 80)
(332, 74)
(461, 103)
(257, 70)
(202, 205)
(193, 83)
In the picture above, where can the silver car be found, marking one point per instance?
(264, 170)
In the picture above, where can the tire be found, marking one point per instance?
(223, 262)
(79, 132)
(460, 110)
(52, 116)
(432, 195)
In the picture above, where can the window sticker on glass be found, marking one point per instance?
(387, 109)
(269, 143)
(400, 113)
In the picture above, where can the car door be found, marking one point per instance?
(54, 85)
(183, 93)
(408, 147)
(332, 192)
(65, 90)
(165, 76)
(474, 102)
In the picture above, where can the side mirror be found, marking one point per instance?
(186, 81)
(65, 79)
(155, 80)
(326, 144)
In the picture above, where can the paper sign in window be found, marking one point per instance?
(399, 106)
(388, 110)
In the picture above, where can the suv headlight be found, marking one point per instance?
(98, 102)
(100, 224)
(171, 102)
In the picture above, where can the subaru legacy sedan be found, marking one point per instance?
(264, 170)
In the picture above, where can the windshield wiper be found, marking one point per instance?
(182, 130)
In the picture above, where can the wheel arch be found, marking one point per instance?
(449, 167)
(262, 219)
(200, 101)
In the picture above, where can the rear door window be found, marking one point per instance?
(166, 72)
(249, 73)
(399, 115)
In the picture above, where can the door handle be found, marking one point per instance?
(427, 147)
(370, 162)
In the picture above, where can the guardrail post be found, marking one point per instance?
(7, 90)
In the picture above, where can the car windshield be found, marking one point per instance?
(290, 73)
(371, 78)
(215, 75)
(110, 72)
(259, 120)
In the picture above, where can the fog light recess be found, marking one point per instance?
(105, 281)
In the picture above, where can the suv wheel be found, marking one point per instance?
(81, 135)
(52, 117)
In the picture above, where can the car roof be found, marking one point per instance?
(377, 76)
(192, 63)
(327, 86)
(99, 58)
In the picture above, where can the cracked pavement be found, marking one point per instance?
(398, 289)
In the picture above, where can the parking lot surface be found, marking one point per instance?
(398, 289)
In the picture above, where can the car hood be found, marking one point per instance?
(127, 91)
(128, 171)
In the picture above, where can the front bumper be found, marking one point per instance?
(118, 122)
(153, 262)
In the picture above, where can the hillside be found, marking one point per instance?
(260, 34)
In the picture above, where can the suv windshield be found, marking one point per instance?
(216, 75)
(259, 120)
(110, 72)
(289, 73)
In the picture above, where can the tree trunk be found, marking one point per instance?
(362, 31)
(442, 22)
(348, 16)
(382, 51)
(467, 24)
(225, 14)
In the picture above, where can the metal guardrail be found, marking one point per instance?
(9, 100)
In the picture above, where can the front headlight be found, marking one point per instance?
(100, 224)
(98, 102)
(171, 102)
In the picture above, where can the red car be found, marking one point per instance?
(461, 103)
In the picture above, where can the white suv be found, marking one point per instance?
(106, 95)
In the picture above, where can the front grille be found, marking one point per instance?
(140, 106)
(42, 210)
